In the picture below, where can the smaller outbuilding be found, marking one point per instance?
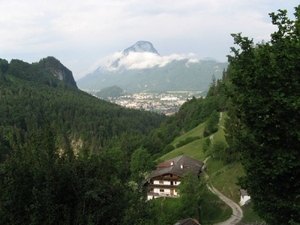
(245, 198)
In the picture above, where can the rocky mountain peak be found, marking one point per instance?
(141, 46)
(58, 70)
(138, 47)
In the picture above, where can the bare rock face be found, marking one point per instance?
(141, 46)
(58, 70)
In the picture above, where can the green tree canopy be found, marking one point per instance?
(211, 125)
(140, 163)
(41, 184)
(192, 194)
(266, 99)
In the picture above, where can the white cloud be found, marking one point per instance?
(193, 61)
(142, 60)
(137, 60)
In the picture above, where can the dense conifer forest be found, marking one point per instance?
(31, 97)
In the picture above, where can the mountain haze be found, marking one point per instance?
(141, 68)
(113, 92)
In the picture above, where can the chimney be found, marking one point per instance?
(181, 166)
(172, 163)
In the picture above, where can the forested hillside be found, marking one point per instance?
(32, 96)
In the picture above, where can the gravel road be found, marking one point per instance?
(237, 213)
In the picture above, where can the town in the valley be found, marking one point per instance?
(166, 103)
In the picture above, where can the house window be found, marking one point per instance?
(161, 181)
(175, 182)
(161, 190)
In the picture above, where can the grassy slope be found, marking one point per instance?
(225, 180)
(193, 149)
(224, 177)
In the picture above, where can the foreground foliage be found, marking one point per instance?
(40, 184)
(265, 112)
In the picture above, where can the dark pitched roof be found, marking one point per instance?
(243, 192)
(188, 221)
(177, 166)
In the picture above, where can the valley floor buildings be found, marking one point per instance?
(166, 103)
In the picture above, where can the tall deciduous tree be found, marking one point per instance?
(219, 149)
(266, 96)
(140, 164)
(211, 125)
(193, 192)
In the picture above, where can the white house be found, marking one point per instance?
(165, 179)
(245, 198)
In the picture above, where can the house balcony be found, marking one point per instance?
(168, 178)
(162, 186)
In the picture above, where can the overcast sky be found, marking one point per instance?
(80, 32)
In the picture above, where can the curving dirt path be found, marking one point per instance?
(237, 213)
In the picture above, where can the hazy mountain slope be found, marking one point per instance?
(113, 92)
(141, 68)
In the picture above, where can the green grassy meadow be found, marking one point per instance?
(193, 149)
(225, 180)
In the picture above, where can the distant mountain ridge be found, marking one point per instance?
(140, 68)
